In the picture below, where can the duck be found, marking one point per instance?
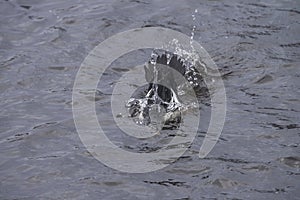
(144, 98)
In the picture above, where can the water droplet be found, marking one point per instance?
(168, 58)
(153, 58)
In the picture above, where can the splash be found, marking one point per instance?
(158, 106)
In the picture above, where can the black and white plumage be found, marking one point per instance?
(167, 97)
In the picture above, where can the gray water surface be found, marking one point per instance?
(256, 47)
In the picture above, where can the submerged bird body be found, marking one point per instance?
(144, 98)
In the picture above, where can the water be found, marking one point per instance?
(256, 47)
